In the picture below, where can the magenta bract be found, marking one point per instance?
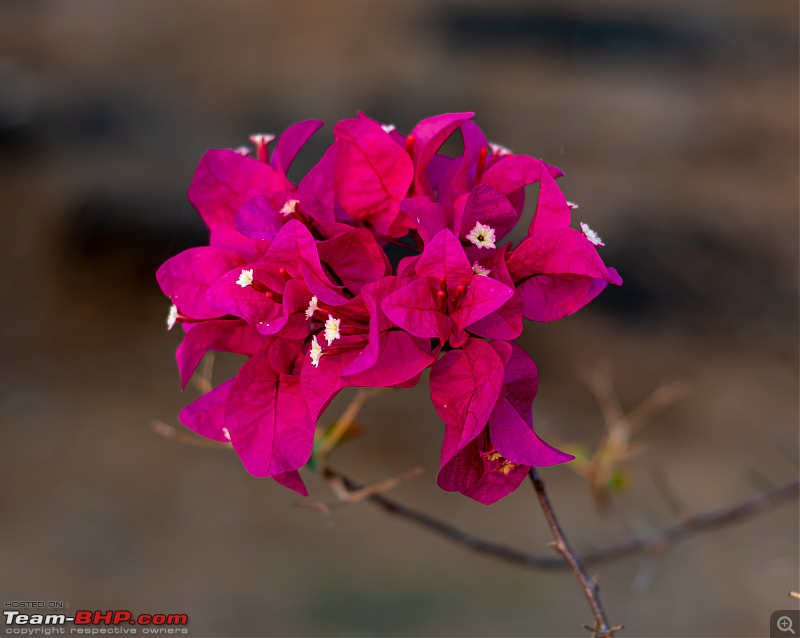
(298, 279)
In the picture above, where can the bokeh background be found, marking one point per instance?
(677, 125)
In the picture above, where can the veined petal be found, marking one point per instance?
(465, 385)
(268, 420)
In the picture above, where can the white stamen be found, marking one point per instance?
(572, 205)
(312, 307)
(172, 317)
(316, 351)
(591, 235)
(245, 278)
(388, 128)
(480, 270)
(332, 329)
(226, 433)
(243, 150)
(498, 149)
(482, 236)
(261, 138)
(289, 207)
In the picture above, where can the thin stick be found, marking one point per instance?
(651, 543)
(601, 627)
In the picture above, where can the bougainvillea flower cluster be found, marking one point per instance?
(387, 258)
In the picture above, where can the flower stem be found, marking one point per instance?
(601, 627)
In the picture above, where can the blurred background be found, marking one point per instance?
(677, 125)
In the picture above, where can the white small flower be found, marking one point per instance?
(312, 307)
(289, 207)
(480, 270)
(591, 235)
(572, 205)
(332, 329)
(245, 278)
(388, 128)
(243, 150)
(482, 236)
(172, 317)
(497, 149)
(261, 138)
(226, 433)
(316, 351)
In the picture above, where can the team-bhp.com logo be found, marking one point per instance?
(97, 622)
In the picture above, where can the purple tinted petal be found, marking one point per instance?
(465, 385)
(223, 182)
(291, 141)
(521, 379)
(186, 278)
(517, 442)
(315, 191)
(474, 141)
(429, 217)
(293, 481)
(553, 297)
(429, 135)
(355, 257)
(205, 416)
(469, 474)
(257, 219)
(488, 206)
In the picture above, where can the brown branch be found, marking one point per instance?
(706, 521)
(651, 543)
(601, 627)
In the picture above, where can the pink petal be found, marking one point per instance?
(293, 481)
(469, 474)
(552, 210)
(483, 296)
(429, 135)
(223, 182)
(315, 191)
(257, 219)
(355, 257)
(488, 206)
(413, 308)
(553, 297)
(465, 385)
(429, 216)
(268, 420)
(186, 278)
(372, 173)
(516, 441)
(291, 141)
(222, 335)
(556, 252)
(205, 416)
(444, 257)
